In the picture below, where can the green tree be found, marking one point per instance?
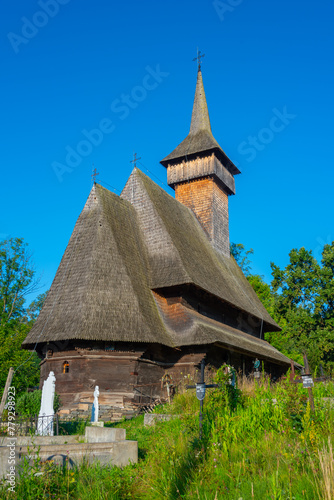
(17, 279)
(301, 300)
(304, 305)
(11, 354)
(35, 307)
(241, 256)
(264, 292)
(298, 284)
(326, 292)
(29, 403)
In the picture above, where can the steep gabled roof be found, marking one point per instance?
(123, 248)
(179, 251)
(101, 289)
(200, 138)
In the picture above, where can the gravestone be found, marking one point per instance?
(46, 412)
(95, 408)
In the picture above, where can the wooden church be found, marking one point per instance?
(147, 287)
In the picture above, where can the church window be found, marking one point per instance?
(66, 367)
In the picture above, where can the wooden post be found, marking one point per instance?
(5, 392)
(292, 373)
(309, 389)
(200, 393)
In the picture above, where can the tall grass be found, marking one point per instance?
(260, 441)
(324, 474)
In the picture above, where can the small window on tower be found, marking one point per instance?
(66, 367)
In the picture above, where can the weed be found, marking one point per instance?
(260, 440)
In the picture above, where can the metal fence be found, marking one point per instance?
(46, 425)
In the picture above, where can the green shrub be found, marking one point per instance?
(265, 443)
(28, 403)
(226, 394)
(72, 427)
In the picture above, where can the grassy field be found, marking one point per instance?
(259, 442)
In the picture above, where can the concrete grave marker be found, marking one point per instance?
(46, 413)
(95, 409)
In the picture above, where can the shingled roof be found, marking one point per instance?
(123, 248)
(101, 290)
(196, 329)
(180, 253)
(200, 138)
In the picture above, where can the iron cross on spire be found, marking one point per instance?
(198, 58)
(94, 174)
(135, 159)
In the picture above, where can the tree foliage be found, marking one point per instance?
(35, 307)
(17, 280)
(297, 284)
(301, 300)
(264, 292)
(304, 300)
(29, 403)
(11, 354)
(241, 256)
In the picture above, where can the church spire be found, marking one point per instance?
(200, 116)
(200, 140)
(202, 174)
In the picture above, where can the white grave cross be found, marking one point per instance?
(46, 413)
(95, 409)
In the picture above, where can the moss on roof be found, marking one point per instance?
(190, 257)
(121, 249)
(101, 290)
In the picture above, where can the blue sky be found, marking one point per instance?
(268, 76)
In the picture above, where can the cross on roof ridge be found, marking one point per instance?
(135, 159)
(94, 174)
(198, 59)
